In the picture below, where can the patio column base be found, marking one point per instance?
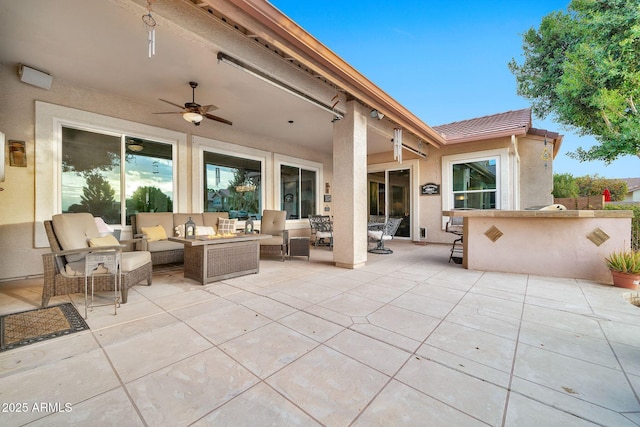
(349, 266)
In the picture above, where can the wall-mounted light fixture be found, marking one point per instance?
(375, 114)
(327, 187)
(34, 77)
(17, 153)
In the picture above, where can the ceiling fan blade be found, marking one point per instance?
(206, 108)
(217, 119)
(170, 112)
(172, 103)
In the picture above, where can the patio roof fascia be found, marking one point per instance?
(477, 137)
(524, 131)
(284, 34)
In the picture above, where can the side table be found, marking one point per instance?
(299, 246)
(98, 263)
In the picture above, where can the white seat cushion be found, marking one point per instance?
(377, 235)
(272, 241)
(129, 262)
(323, 235)
(134, 260)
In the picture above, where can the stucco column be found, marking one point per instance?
(350, 188)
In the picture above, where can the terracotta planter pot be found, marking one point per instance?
(625, 280)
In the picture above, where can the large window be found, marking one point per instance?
(298, 191)
(103, 172)
(232, 184)
(475, 184)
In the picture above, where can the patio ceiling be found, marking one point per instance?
(102, 45)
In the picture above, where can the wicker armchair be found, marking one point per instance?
(70, 245)
(273, 223)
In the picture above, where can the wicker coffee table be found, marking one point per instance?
(208, 260)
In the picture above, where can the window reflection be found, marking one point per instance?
(233, 184)
(474, 185)
(92, 178)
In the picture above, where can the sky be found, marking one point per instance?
(445, 61)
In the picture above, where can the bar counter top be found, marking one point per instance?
(491, 213)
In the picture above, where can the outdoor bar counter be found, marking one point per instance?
(567, 243)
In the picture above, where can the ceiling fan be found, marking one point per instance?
(194, 112)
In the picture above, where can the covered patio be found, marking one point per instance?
(407, 339)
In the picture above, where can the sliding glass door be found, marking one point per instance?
(390, 197)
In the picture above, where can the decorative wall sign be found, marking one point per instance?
(327, 198)
(430, 189)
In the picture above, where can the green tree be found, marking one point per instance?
(594, 185)
(583, 67)
(149, 199)
(564, 185)
(98, 197)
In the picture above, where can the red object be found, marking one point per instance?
(607, 195)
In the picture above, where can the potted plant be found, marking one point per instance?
(625, 268)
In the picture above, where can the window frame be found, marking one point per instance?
(123, 169)
(308, 165)
(501, 156)
(48, 163)
(202, 144)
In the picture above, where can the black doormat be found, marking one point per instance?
(28, 327)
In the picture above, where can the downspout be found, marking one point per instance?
(516, 173)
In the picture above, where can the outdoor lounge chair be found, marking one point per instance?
(382, 232)
(321, 229)
(69, 236)
(273, 223)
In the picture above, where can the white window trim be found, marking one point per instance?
(503, 189)
(282, 160)
(48, 163)
(201, 144)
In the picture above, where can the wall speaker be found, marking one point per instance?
(34, 77)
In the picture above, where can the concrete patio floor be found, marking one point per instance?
(406, 340)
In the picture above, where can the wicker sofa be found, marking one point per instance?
(164, 251)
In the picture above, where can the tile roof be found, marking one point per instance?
(517, 122)
(633, 184)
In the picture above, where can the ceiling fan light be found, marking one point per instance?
(135, 146)
(192, 117)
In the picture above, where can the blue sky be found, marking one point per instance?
(443, 60)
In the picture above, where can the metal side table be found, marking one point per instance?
(99, 263)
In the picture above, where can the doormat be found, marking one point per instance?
(28, 327)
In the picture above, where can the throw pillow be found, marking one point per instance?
(154, 234)
(107, 240)
(227, 226)
(201, 230)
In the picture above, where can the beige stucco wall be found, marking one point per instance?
(556, 247)
(17, 121)
(536, 179)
